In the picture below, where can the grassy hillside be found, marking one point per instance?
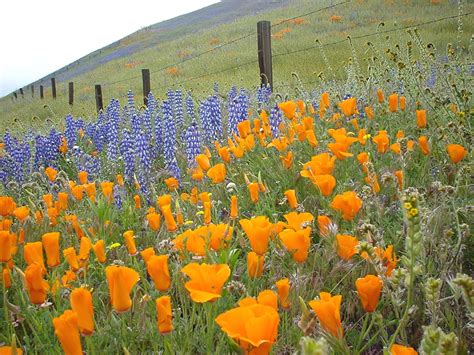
(118, 67)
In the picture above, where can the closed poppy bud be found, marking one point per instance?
(36, 286)
(66, 328)
(121, 280)
(157, 267)
(99, 251)
(346, 246)
(268, 298)
(107, 188)
(254, 264)
(234, 208)
(62, 199)
(369, 289)
(7, 206)
(253, 189)
(82, 176)
(147, 253)
(348, 203)
(71, 258)
(6, 278)
(48, 200)
(283, 287)
(33, 253)
(325, 99)
(207, 212)
(51, 247)
(130, 242)
(21, 213)
(421, 118)
(51, 173)
(138, 203)
(324, 223)
(81, 304)
(84, 249)
(203, 161)
(393, 102)
(402, 350)
(258, 231)
(328, 311)
(456, 152)
(217, 173)
(78, 192)
(297, 243)
(424, 146)
(154, 221)
(164, 314)
(169, 219)
(399, 176)
(5, 246)
(403, 103)
(380, 97)
(291, 198)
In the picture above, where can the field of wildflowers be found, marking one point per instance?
(330, 221)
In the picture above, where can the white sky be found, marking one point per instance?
(41, 36)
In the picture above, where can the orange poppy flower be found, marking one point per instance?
(280, 143)
(258, 230)
(217, 173)
(325, 99)
(71, 258)
(6, 277)
(21, 213)
(169, 219)
(268, 298)
(244, 128)
(298, 221)
(66, 328)
(119, 179)
(382, 141)
(321, 164)
(287, 160)
(254, 264)
(203, 161)
(154, 221)
(388, 258)
(327, 309)
(164, 314)
(82, 176)
(424, 146)
(324, 223)
(399, 175)
(291, 198)
(403, 103)
(77, 192)
(369, 289)
(163, 200)
(51, 173)
(254, 189)
(206, 281)
(5, 224)
(81, 304)
(348, 203)
(234, 208)
(325, 184)
(380, 96)
(99, 251)
(121, 280)
(129, 237)
(91, 190)
(220, 234)
(402, 350)
(224, 153)
(297, 243)
(107, 188)
(62, 201)
(421, 118)
(369, 111)
(5, 246)
(362, 136)
(254, 327)
(340, 148)
(157, 268)
(33, 253)
(346, 246)
(8, 350)
(147, 253)
(192, 241)
(456, 152)
(172, 183)
(7, 205)
(283, 287)
(393, 102)
(35, 284)
(51, 247)
(48, 200)
(288, 108)
(348, 106)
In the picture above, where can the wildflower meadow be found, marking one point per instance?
(329, 220)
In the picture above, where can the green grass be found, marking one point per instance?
(358, 18)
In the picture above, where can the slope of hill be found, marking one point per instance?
(172, 50)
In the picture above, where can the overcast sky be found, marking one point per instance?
(41, 36)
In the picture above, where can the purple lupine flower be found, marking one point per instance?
(70, 132)
(113, 117)
(128, 153)
(263, 95)
(190, 107)
(117, 194)
(158, 134)
(169, 133)
(178, 109)
(193, 144)
(215, 118)
(130, 109)
(275, 120)
(205, 121)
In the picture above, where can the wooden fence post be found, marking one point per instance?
(53, 87)
(41, 92)
(264, 36)
(16, 96)
(98, 98)
(71, 93)
(146, 85)
(21, 93)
